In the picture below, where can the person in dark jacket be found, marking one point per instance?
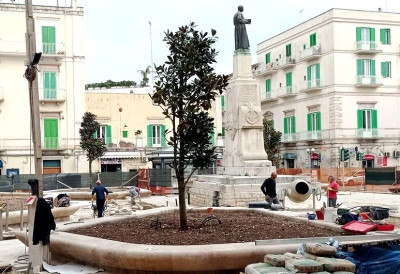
(43, 223)
(101, 196)
(269, 190)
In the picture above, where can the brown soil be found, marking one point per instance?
(236, 227)
(14, 202)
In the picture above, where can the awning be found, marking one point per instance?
(121, 155)
(369, 157)
(288, 155)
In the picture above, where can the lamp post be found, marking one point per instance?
(310, 151)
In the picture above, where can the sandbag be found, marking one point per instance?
(321, 249)
(304, 265)
(275, 260)
(309, 256)
(333, 264)
(259, 268)
(293, 256)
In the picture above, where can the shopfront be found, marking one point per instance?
(289, 159)
(368, 161)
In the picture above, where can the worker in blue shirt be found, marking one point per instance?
(101, 196)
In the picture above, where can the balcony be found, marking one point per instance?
(53, 49)
(269, 96)
(262, 69)
(311, 85)
(284, 92)
(289, 138)
(287, 62)
(310, 53)
(370, 81)
(53, 143)
(56, 96)
(367, 47)
(12, 48)
(1, 94)
(372, 133)
(310, 135)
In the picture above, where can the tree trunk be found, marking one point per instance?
(182, 202)
(90, 175)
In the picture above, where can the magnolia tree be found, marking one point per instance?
(272, 141)
(185, 88)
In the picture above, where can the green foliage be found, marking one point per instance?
(272, 141)
(110, 84)
(185, 89)
(145, 79)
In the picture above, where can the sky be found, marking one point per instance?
(118, 41)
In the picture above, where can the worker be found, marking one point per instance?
(101, 197)
(269, 190)
(333, 189)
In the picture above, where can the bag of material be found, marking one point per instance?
(321, 249)
(262, 268)
(275, 260)
(310, 256)
(333, 264)
(293, 256)
(304, 265)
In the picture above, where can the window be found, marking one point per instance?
(386, 69)
(156, 136)
(268, 85)
(385, 36)
(50, 133)
(49, 40)
(104, 133)
(50, 85)
(313, 76)
(367, 119)
(289, 82)
(313, 39)
(223, 131)
(212, 136)
(289, 125)
(365, 71)
(124, 134)
(223, 103)
(314, 121)
(365, 38)
(268, 58)
(288, 50)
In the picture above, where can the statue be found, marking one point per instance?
(241, 39)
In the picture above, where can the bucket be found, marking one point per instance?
(330, 214)
(210, 210)
(320, 214)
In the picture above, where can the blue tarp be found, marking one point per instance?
(374, 260)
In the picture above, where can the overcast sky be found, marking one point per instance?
(118, 40)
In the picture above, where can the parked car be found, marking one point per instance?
(353, 178)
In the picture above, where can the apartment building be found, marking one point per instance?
(59, 36)
(332, 82)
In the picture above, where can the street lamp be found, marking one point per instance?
(310, 151)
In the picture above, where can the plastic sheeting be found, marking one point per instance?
(372, 259)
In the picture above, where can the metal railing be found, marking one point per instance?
(287, 61)
(53, 48)
(309, 135)
(310, 52)
(286, 91)
(270, 95)
(367, 46)
(311, 84)
(264, 69)
(46, 94)
(371, 133)
(289, 137)
(368, 80)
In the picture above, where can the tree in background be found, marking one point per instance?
(110, 84)
(185, 89)
(93, 146)
(272, 141)
(144, 73)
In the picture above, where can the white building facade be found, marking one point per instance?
(332, 82)
(60, 37)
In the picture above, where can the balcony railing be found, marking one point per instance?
(12, 48)
(52, 95)
(311, 85)
(368, 81)
(286, 91)
(269, 96)
(372, 133)
(367, 47)
(310, 53)
(263, 69)
(309, 135)
(53, 48)
(289, 138)
(287, 62)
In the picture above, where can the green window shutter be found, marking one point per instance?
(223, 101)
(359, 67)
(49, 40)
(317, 74)
(360, 118)
(293, 124)
(358, 34)
(383, 36)
(374, 114)
(50, 133)
(268, 58)
(288, 50)
(318, 120)
(372, 34)
(212, 137)
(124, 134)
(309, 73)
(268, 85)
(304, 46)
(309, 122)
(285, 125)
(384, 69)
(149, 135)
(289, 79)
(163, 140)
(313, 39)
(223, 131)
(50, 85)
(372, 67)
(108, 135)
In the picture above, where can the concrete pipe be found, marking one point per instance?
(299, 191)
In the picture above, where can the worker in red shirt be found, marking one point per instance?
(333, 188)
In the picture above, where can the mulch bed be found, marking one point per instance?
(236, 227)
